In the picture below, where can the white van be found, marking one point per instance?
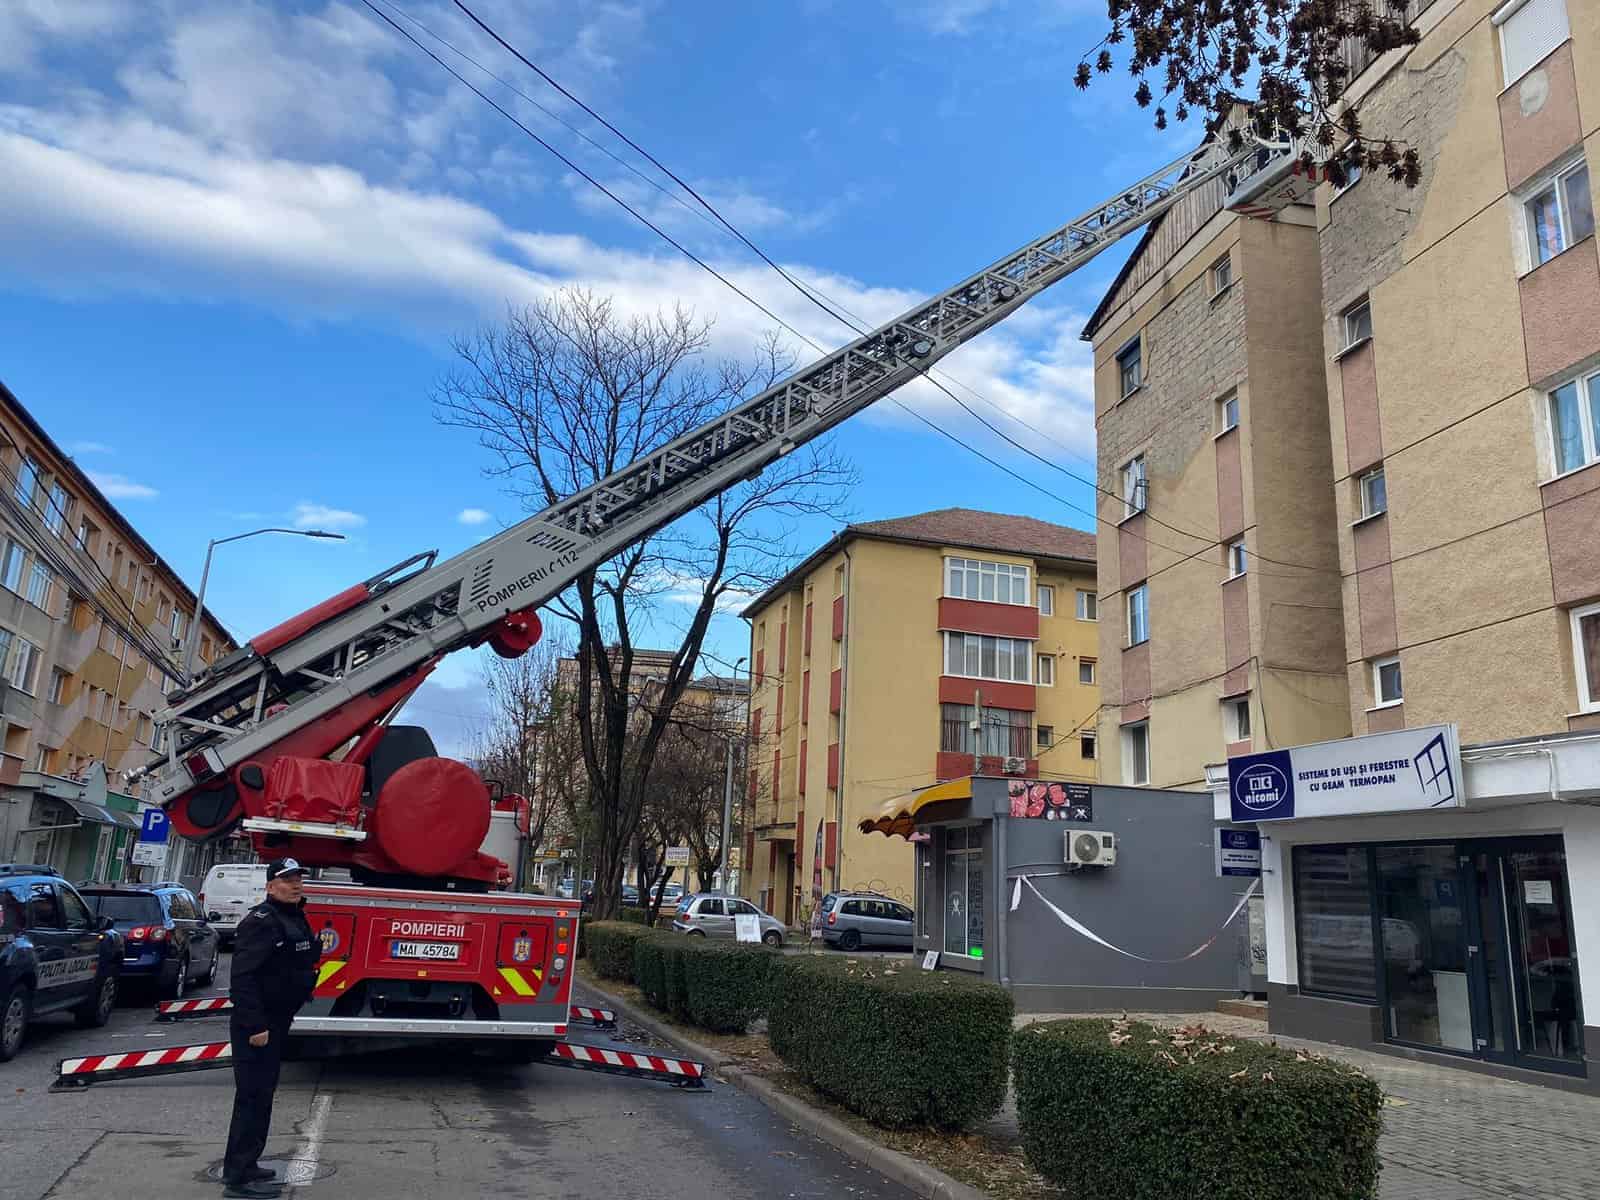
(230, 891)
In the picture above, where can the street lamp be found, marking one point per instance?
(727, 792)
(200, 601)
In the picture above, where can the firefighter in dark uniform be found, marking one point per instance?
(274, 970)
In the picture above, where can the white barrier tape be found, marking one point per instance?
(1079, 928)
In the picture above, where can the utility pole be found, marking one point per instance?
(727, 819)
(977, 732)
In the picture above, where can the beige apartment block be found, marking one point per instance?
(1220, 627)
(1461, 326)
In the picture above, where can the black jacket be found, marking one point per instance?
(274, 965)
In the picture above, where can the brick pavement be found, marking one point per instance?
(1448, 1134)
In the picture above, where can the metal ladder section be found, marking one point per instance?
(419, 609)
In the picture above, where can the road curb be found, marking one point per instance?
(930, 1183)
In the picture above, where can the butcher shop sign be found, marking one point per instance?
(1050, 800)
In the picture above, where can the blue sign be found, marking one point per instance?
(1401, 771)
(1239, 853)
(154, 827)
(1261, 786)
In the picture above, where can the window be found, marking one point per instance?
(1133, 486)
(1139, 614)
(978, 656)
(1004, 734)
(1586, 654)
(11, 566)
(1238, 559)
(1352, 172)
(164, 606)
(1000, 583)
(1387, 687)
(964, 893)
(177, 624)
(22, 664)
(1236, 720)
(87, 534)
(58, 685)
(1129, 367)
(1575, 423)
(1086, 745)
(1221, 275)
(1333, 921)
(1047, 600)
(1088, 606)
(1357, 324)
(1136, 752)
(1228, 412)
(39, 581)
(1086, 670)
(1559, 214)
(28, 480)
(58, 510)
(710, 908)
(1047, 736)
(1374, 494)
(1528, 32)
(1047, 671)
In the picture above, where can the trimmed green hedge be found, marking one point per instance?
(725, 983)
(900, 1046)
(658, 970)
(610, 948)
(1163, 1115)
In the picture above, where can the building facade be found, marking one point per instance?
(79, 696)
(901, 653)
(1220, 593)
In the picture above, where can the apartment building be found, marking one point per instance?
(1220, 622)
(901, 653)
(78, 701)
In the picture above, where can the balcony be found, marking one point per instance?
(982, 616)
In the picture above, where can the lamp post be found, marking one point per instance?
(205, 574)
(727, 798)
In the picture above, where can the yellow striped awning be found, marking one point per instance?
(897, 818)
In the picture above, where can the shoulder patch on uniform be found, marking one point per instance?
(257, 912)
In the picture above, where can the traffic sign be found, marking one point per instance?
(677, 856)
(154, 826)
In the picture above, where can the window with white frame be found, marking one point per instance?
(1236, 719)
(1133, 486)
(1238, 559)
(1086, 746)
(999, 583)
(1221, 275)
(1352, 172)
(1047, 600)
(1575, 423)
(1374, 493)
(39, 580)
(58, 685)
(177, 623)
(1139, 614)
(58, 510)
(1136, 752)
(1387, 686)
(1586, 655)
(1088, 606)
(1130, 367)
(1228, 412)
(22, 663)
(1086, 668)
(11, 563)
(28, 480)
(1558, 213)
(1357, 324)
(979, 656)
(1046, 671)
(1528, 32)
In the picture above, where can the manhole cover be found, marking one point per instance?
(291, 1172)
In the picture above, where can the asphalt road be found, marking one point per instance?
(414, 1125)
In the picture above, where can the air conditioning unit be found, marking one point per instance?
(1016, 766)
(1089, 848)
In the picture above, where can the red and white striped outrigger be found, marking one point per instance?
(682, 1072)
(135, 1064)
(178, 1010)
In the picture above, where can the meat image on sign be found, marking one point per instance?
(1050, 800)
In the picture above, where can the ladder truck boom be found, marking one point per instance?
(331, 679)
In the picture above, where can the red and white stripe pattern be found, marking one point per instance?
(598, 1016)
(104, 1065)
(185, 1008)
(680, 1068)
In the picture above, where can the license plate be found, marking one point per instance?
(447, 951)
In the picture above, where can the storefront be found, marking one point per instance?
(1076, 897)
(1429, 899)
(74, 825)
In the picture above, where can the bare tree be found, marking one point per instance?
(568, 391)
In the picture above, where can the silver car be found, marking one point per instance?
(708, 914)
(852, 920)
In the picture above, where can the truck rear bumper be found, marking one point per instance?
(424, 1027)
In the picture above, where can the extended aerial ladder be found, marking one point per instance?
(333, 677)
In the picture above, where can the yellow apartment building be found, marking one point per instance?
(871, 661)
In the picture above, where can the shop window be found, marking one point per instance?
(964, 892)
(1333, 921)
(1528, 32)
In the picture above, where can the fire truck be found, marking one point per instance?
(293, 737)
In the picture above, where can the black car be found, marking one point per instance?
(55, 954)
(169, 941)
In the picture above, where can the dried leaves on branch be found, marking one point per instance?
(1285, 63)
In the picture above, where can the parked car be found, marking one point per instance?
(851, 920)
(705, 914)
(55, 955)
(230, 890)
(169, 943)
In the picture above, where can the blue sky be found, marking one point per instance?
(239, 238)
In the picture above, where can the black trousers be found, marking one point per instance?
(255, 1079)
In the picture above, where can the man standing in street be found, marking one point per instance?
(274, 970)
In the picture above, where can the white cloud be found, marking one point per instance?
(120, 487)
(90, 448)
(472, 516)
(320, 516)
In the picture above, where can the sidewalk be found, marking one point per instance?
(1448, 1134)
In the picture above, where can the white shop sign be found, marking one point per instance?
(1402, 771)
